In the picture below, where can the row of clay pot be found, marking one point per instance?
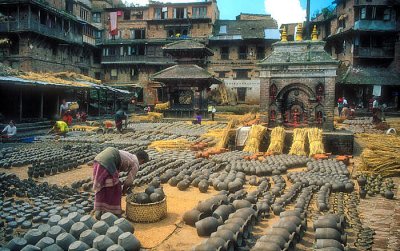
(286, 198)
(329, 232)
(285, 233)
(78, 233)
(323, 198)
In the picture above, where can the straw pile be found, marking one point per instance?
(149, 117)
(277, 140)
(56, 78)
(225, 134)
(315, 140)
(382, 155)
(256, 134)
(175, 144)
(162, 106)
(299, 142)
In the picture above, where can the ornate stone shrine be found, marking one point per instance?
(298, 84)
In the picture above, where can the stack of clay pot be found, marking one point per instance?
(329, 232)
(285, 233)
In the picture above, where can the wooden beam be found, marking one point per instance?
(41, 104)
(98, 102)
(58, 106)
(20, 105)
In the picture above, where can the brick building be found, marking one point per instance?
(238, 45)
(363, 35)
(135, 51)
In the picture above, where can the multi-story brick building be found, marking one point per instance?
(238, 45)
(132, 49)
(362, 34)
(49, 36)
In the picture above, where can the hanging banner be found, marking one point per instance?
(377, 90)
(113, 23)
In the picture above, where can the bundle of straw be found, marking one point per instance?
(225, 134)
(277, 140)
(162, 145)
(315, 140)
(256, 134)
(299, 142)
(162, 106)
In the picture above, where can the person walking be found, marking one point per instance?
(106, 184)
(9, 131)
(375, 111)
(213, 111)
(120, 115)
(340, 106)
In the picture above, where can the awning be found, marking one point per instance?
(367, 76)
(6, 80)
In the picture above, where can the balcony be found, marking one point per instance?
(137, 59)
(25, 26)
(367, 52)
(374, 25)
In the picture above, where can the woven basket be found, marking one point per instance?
(146, 213)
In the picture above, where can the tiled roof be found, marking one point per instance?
(243, 29)
(368, 76)
(187, 44)
(183, 71)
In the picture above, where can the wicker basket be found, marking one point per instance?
(146, 213)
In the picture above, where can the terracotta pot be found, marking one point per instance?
(113, 233)
(77, 229)
(64, 240)
(124, 225)
(88, 236)
(192, 216)
(207, 226)
(78, 246)
(129, 242)
(45, 242)
(102, 242)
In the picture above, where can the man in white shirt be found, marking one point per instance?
(345, 104)
(9, 131)
(64, 107)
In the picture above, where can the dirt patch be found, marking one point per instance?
(171, 233)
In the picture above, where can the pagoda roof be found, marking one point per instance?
(187, 72)
(187, 45)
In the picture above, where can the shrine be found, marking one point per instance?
(298, 83)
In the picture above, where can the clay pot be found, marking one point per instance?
(223, 212)
(207, 226)
(45, 242)
(88, 236)
(74, 216)
(115, 247)
(88, 220)
(325, 243)
(124, 225)
(205, 247)
(228, 235)
(100, 227)
(54, 232)
(192, 216)
(203, 186)
(53, 220)
(362, 181)
(220, 244)
(53, 247)
(77, 229)
(283, 232)
(29, 247)
(155, 197)
(183, 185)
(389, 194)
(330, 233)
(109, 218)
(113, 233)
(283, 244)
(102, 242)
(64, 240)
(16, 244)
(363, 194)
(33, 236)
(66, 224)
(129, 242)
(237, 204)
(78, 246)
(266, 246)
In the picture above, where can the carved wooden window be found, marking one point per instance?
(272, 92)
(319, 90)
